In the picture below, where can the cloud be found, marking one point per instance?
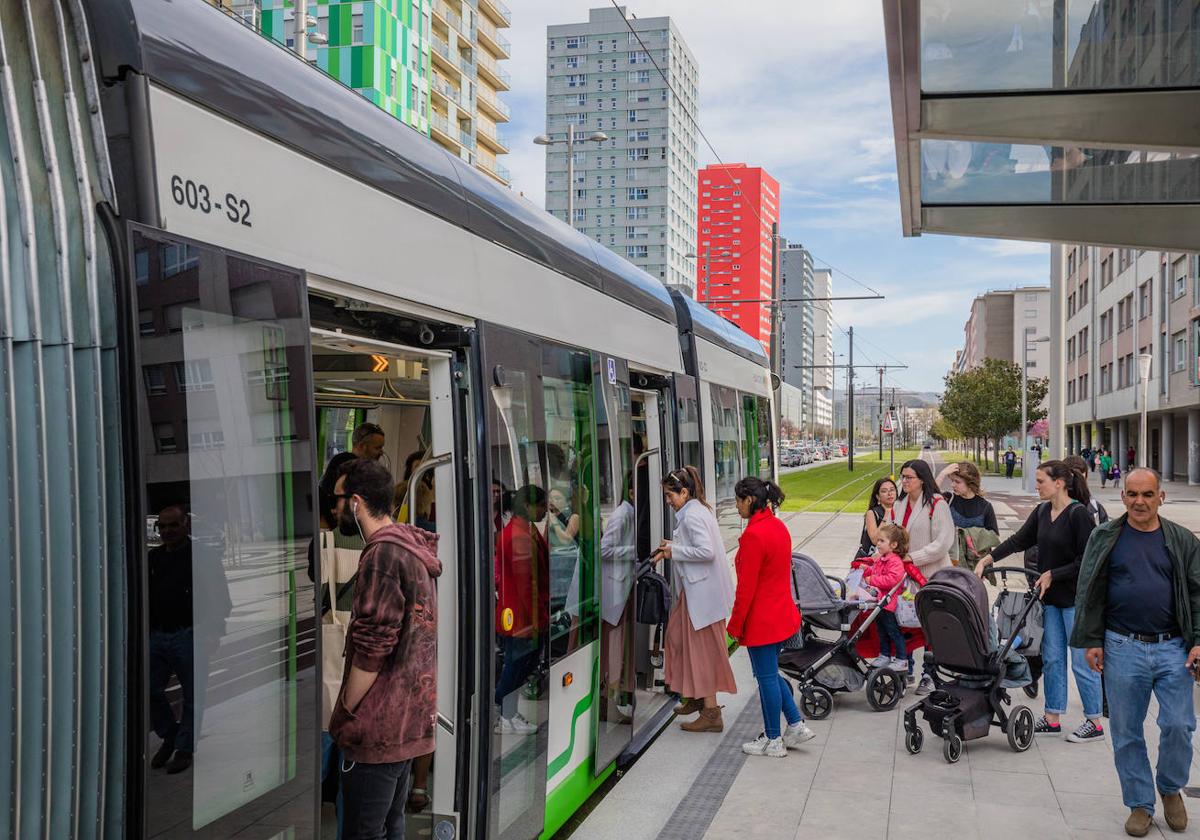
(1011, 248)
(876, 178)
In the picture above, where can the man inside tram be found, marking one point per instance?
(367, 441)
(188, 604)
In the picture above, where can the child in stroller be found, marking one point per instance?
(971, 672)
(823, 666)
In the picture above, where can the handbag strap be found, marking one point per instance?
(330, 581)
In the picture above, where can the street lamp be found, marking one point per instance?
(303, 20)
(594, 137)
(1144, 361)
(1026, 473)
(691, 255)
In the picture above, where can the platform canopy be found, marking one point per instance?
(1056, 120)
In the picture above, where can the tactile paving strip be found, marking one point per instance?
(695, 812)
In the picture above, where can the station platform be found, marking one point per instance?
(855, 780)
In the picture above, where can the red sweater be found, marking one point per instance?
(522, 580)
(763, 610)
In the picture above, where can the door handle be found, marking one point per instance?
(430, 464)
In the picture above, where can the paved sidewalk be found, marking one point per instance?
(855, 780)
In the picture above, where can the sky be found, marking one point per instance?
(800, 88)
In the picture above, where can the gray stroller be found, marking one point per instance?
(824, 666)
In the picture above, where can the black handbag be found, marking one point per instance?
(653, 595)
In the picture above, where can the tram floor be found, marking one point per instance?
(855, 780)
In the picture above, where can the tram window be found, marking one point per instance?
(227, 483)
(727, 460)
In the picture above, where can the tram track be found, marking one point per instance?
(867, 480)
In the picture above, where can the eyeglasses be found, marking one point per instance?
(909, 478)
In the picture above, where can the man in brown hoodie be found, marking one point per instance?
(387, 712)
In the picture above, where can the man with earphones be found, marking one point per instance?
(387, 711)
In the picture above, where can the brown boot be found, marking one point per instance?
(1139, 822)
(1174, 812)
(709, 721)
(689, 707)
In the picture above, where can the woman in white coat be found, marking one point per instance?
(924, 513)
(697, 655)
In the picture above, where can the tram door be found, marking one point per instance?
(222, 642)
(654, 445)
(542, 458)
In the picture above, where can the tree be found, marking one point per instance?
(943, 430)
(985, 402)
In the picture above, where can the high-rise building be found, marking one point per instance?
(997, 323)
(806, 335)
(636, 192)
(738, 206)
(433, 64)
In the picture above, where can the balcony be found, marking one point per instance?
(490, 35)
(448, 16)
(441, 50)
(491, 105)
(448, 92)
(492, 137)
(490, 69)
(497, 171)
(497, 11)
(439, 127)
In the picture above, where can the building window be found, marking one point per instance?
(1071, 349)
(577, 80)
(1106, 272)
(637, 193)
(1144, 300)
(1179, 351)
(579, 214)
(1031, 313)
(1083, 292)
(356, 28)
(575, 42)
(637, 252)
(1179, 277)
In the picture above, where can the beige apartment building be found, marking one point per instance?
(467, 44)
(1121, 303)
(997, 323)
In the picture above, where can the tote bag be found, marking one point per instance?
(338, 565)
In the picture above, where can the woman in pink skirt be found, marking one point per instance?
(697, 656)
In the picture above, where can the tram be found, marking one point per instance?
(216, 263)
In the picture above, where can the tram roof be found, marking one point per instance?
(1078, 124)
(698, 319)
(225, 66)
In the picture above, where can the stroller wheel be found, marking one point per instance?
(913, 740)
(1020, 729)
(1031, 690)
(816, 702)
(952, 747)
(884, 689)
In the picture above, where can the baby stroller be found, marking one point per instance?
(823, 666)
(971, 672)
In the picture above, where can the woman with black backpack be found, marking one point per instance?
(1059, 528)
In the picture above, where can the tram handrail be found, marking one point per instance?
(425, 466)
(637, 462)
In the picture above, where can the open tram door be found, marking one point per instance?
(409, 394)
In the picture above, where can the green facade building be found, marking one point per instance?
(380, 48)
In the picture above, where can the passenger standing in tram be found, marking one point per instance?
(764, 614)
(617, 562)
(367, 441)
(385, 716)
(697, 655)
(421, 495)
(522, 604)
(188, 603)
(925, 515)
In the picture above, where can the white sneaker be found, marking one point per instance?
(770, 747)
(796, 735)
(899, 664)
(522, 726)
(881, 661)
(503, 726)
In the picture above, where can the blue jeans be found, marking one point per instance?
(1057, 622)
(173, 652)
(1132, 670)
(331, 759)
(373, 797)
(520, 660)
(891, 640)
(773, 692)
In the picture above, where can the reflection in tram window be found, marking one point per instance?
(727, 460)
(230, 609)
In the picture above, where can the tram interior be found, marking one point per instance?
(356, 382)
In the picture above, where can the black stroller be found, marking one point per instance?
(971, 672)
(823, 666)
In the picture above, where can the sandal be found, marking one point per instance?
(418, 800)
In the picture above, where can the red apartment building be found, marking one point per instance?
(738, 204)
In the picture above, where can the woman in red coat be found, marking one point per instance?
(764, 614)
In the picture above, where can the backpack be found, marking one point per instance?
(1007, 610)
(653, 596)
(972, 543)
